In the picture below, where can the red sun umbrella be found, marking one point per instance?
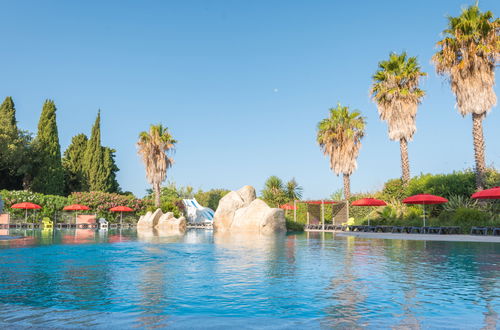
(26, 206)
(425, 199)
(288, 207)
(121, 209)
(76, 207)
(492, 193)
(369, 202)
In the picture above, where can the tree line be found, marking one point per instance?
(466, 57)
(35, 163)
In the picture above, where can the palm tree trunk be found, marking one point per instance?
(347, 192)
(156, 189)
(347, 186)
(477, 134)
(405, 162)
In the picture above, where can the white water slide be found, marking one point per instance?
(196, 212)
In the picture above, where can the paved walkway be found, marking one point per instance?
(423, 237)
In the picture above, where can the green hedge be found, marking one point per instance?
(100, 203)
(50, 204)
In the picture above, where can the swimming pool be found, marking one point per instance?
(85, 278)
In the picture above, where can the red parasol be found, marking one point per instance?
(425, 199)
(26, 206)
(76, 207)
(369, 202)
(493, 193)
(121, 209)
(288, 207)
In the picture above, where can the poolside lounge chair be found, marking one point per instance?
(103, 224)
(47, 223)
(479, 231)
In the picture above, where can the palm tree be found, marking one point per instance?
(396, 93)
(273, 192)
(293, 190)
(154, 148)
(468, 55)
(339, 136)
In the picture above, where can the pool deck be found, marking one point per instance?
(423, 237)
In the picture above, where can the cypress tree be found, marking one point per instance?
(110, 169)
(94, 159)
(73, 164)
(14, 148)
(49, 174)
(8, 121)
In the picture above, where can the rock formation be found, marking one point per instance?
(241, 211)
(162, 222)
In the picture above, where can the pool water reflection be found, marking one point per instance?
(88, 278)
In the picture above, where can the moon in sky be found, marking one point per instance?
(275, 90)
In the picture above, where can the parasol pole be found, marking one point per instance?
(423, 206)
(295, 210)
(121, 219)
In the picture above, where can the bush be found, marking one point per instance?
(465, 218)
(459, 183)
(51, 204)
(167, 206)
(100, 202)
(394, 189)
(294, 226)
(211, 198)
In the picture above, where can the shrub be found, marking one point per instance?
(465, 218)
(457, 201)
(210, 198)
(394, 189)
(294, 226)
(100, 202)
(51, 204)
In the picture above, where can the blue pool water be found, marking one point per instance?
(69, 279)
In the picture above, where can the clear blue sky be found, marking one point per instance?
(241, 84)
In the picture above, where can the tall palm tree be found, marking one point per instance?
(396, 93)
(154, 148)
(339, 136)
(467, 56)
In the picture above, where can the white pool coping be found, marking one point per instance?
(423, 237)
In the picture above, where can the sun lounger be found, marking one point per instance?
(384, 229)
(479, 231)
(451, 230)
(416, 230)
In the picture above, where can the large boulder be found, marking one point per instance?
(247, 194)
(240, 211)
(223, 217)
(168, 223)
(258, 217)
(144, 221)
(150, 220)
